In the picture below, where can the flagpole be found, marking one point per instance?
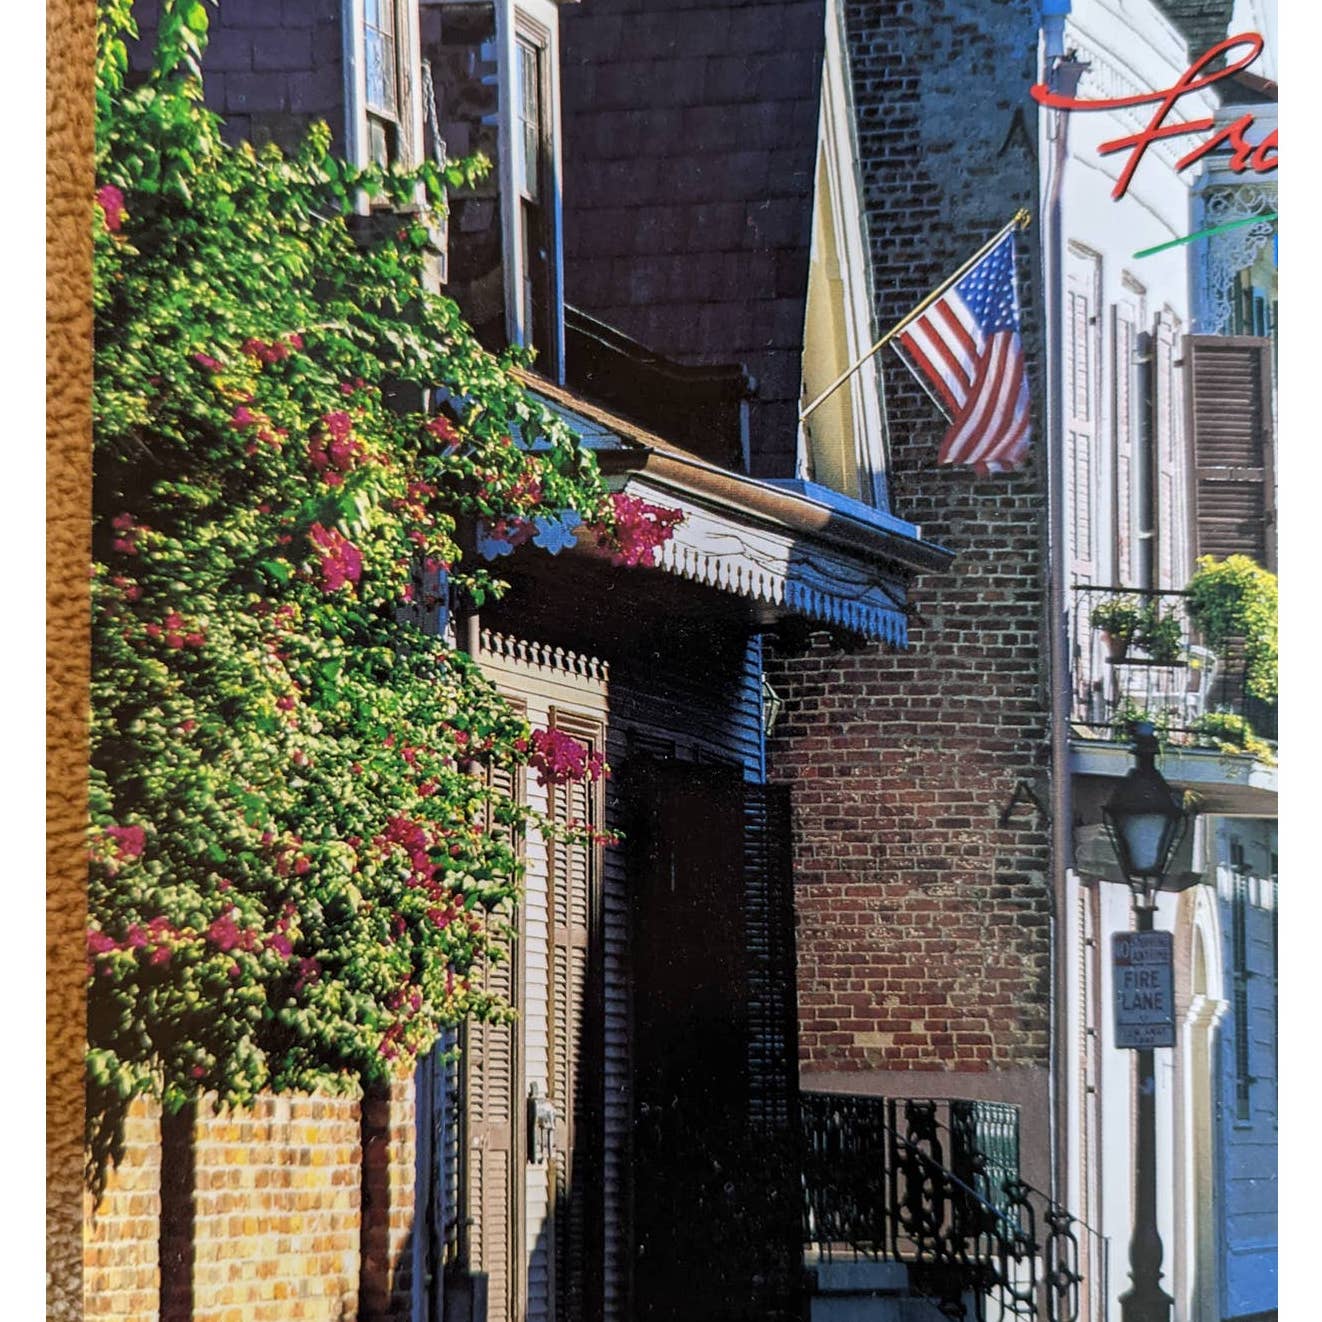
(1021, 219)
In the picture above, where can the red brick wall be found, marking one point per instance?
(923, 925)
(301, 1207)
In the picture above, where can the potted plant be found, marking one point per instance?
(1160, 636)
(1236, 598)
(1119, 619)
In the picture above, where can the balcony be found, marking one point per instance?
(1194, 697)
(932, 1187)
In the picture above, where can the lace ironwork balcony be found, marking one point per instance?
(934, 1185)
(1181, 687)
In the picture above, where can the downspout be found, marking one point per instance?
(1061, 74)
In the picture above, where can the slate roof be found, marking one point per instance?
(689, 139)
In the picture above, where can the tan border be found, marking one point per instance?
(70, 29)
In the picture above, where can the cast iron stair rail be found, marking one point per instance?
(889, 1179)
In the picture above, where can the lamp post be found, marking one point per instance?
(1146, 821)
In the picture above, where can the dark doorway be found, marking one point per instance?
(714, 1186)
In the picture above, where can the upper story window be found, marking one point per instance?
(495, 75)
(534, 159)
(384, 113)
(381, 76)
(532, 177)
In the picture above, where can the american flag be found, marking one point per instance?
(966, 350)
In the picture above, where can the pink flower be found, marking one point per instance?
(280, 943)
(443, 429)
(130, 839)
(98, 943)
(207, 361)
(111, 201)
(341, 560)
(639, 530)
(558, 757)
(223, 933)
(242, 417)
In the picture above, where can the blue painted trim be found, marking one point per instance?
(851, 508)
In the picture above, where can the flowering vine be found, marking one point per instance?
(298, 856)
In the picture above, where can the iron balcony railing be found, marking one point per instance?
(1179, 684)
(935, 1185)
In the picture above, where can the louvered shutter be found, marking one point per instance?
(575, 1071)
(492, 1106)
(769, 949)
(1233, 446)
(1172, 560)
(1123, 348)
(1080, 357)
(773, 1051)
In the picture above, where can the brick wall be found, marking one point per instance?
(923, 926)
(300, 1207)
(121, 1235)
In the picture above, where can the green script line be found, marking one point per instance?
(1204, 234)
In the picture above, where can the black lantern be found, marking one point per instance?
(1144, 817)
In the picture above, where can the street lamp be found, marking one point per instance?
(1146, 821)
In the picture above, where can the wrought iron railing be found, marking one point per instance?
(935, 1185)
(1180, 687)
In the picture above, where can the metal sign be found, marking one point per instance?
(1143, 986)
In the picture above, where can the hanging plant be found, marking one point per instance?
(1236, 598)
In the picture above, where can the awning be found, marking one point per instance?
(794, 547)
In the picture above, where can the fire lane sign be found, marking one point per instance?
(1143, 986)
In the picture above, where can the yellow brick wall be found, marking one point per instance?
(273, 1213)
(121, 1266)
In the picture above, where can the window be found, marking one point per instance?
(531, 164)
(381, 69)
(381, 65)
(1240, 981)
(1082, 372)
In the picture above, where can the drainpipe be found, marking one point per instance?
(1061, 73)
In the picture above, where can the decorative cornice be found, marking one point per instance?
(777, 569)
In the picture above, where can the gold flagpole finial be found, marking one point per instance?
(1023, 218)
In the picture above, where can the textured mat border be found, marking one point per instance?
(70, 42)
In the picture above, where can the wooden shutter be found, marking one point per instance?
(1124, 348)
(773, 1044)
(575, 1068)
(1172, 566)
(1081, 434)
(773, 1061)
(1230, 419)
(493, 1140)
